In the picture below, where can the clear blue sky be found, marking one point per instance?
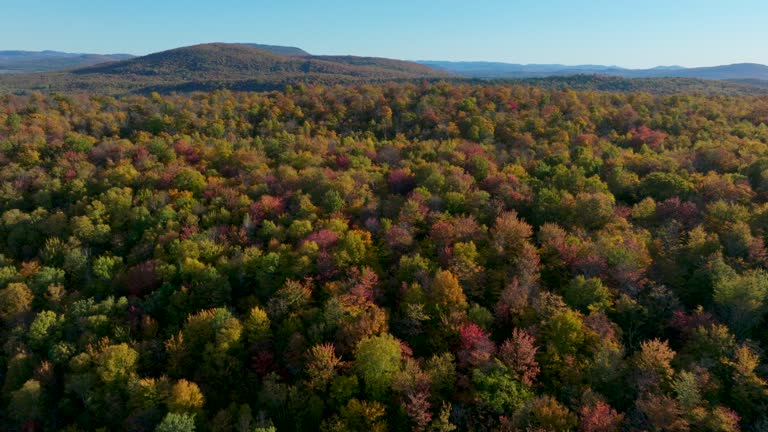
(616, 32)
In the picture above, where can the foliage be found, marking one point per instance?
(402, 256)
(498, 391)
(176, 423)
(210, 66)
(377, 358)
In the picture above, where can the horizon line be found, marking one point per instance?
(420, 60)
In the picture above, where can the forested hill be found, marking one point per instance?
(254, 67)
(210, 66)
(658, 86)
(238, 61)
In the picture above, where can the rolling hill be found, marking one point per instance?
(257, 67)
(480, 69)
(40, 61)
(740, 71)
(219, 65)
(239, 61)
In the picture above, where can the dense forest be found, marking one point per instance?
(658, 86)
(427, 257)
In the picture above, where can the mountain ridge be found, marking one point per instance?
(280, 49)
(260, 67)
(482, 69)
(221, 65)
(20, 61)
(236, 59)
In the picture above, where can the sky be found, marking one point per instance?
(609, 32)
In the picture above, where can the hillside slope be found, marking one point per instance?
(219, 65)
(279, 49)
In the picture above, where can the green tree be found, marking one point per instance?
(741, 299)
(42, 329)
(662, 185)
(498, 391)
(687, 390)
(26, 402)
(19, 370)
(256, 325)
(175, 422)
(332, 201)
(377, 359)
(117, 363)
(442, 423)
(587, 294)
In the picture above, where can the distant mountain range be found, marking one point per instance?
(41, 61)
(220, 65)
(741, 71)
(258, 67)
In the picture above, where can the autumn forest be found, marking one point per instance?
(426, 256)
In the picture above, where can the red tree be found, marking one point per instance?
(476, 346)
(599, 417)
(519, 354)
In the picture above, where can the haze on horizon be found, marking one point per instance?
(686, 33)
